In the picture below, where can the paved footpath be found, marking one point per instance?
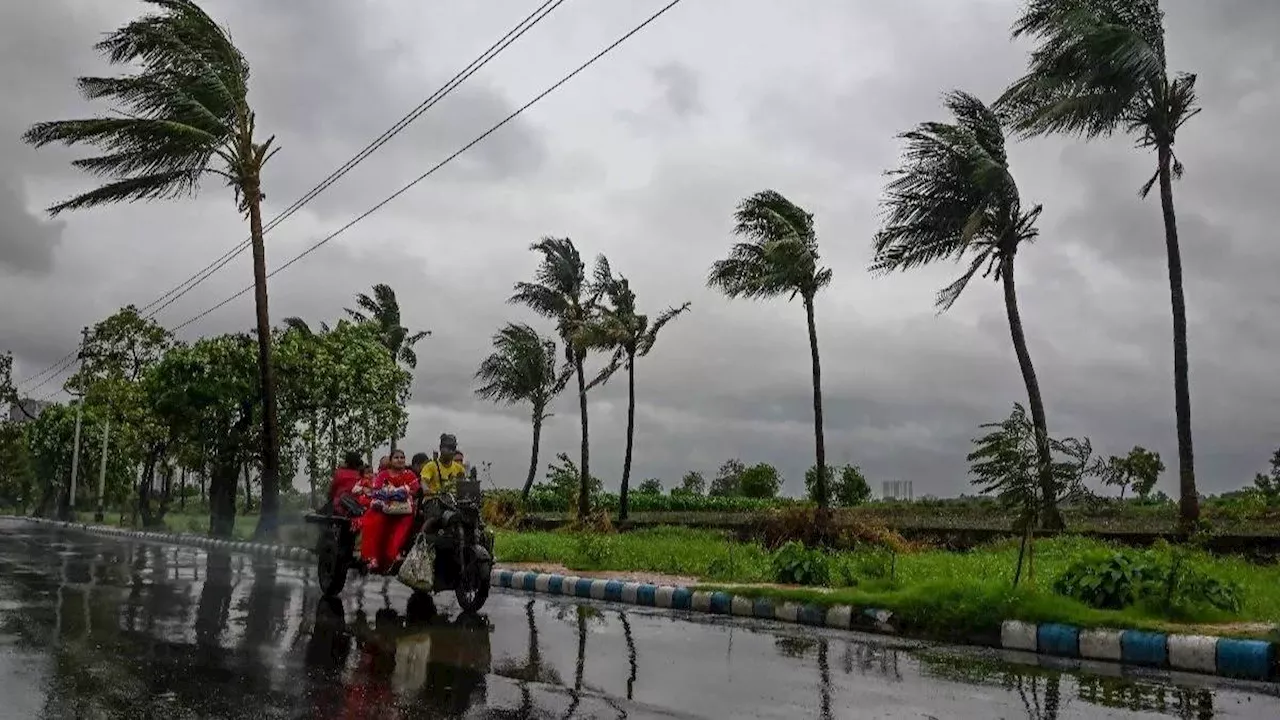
(114, 627)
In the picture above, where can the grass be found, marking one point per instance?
(939, 592)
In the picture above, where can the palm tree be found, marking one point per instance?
(183, 112)
(618, 327)
(383, 310)
(954, 197)
(780, 257)
(560, 291)
(522, 368)
(1101, 67)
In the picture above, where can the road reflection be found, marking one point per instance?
(104, 628)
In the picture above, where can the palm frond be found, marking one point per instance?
(616, 362)
(159, 186)
(650, 337)
(522, 368)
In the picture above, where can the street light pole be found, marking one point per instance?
(102, 473)
(75, 451)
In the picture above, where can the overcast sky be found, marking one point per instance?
(643, 158)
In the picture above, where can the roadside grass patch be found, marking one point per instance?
(939, 592)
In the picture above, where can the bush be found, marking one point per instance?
(1123, 579)
(800, 523)
(652, 486)
(501, 510)
(760, 481)
(795, 564)
(846, 486)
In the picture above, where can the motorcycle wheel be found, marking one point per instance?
(332, 565)
(473, 586)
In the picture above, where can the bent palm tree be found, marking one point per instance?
(780, 257)
(522, 368)
(954, 197)
(383, 310)
(560, 292)
(618, 327)
(183, 113)
(1101, 67)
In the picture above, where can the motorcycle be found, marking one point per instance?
(463, 546)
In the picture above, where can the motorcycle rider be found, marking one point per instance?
(439, 476)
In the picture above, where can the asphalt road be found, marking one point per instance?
(94, 627)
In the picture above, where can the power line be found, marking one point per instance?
(172, 295)
(440, 164)
(483, 59)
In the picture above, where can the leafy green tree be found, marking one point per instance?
(561, 292)
(1138, 471)
(652, 486)
(779, 257)
(17, 476)
(118, 353)
(564, 479)
(180, 114)
(619, 327)
(693, 483)
(209, 392)
(847, 485)
(1100, 66)
(1006, 463)
(761, 481)
(728, 479)
(1268, 485)
(522, 368)
(955, 198)
(383, 310)
(50, 438)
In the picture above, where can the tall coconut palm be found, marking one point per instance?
(779, 257)
(522, 368)
(180, 114)
(1101, 67)
(561, 292)
(955, 198)
(383, 310)
(617, 326)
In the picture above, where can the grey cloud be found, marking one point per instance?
(905, 389)
(680, 88)
(27, 243)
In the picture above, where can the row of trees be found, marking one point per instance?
(1099, 67)
(168, 407)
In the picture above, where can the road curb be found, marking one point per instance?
(272, 550)
(1210, 655)
(1227, 657)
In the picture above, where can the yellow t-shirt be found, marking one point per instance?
(437, 479)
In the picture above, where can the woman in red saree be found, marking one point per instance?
(386, 525)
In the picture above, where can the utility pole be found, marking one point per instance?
(102, 473)
(75, 450)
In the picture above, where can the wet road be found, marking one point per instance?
(94, 627)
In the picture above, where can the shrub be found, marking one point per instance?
(846, 486)
(652, 486)
(760, 481)
(501, 510)
(797, 565)
(1123, 579)
(800, 523)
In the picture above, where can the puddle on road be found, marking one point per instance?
(120, 629)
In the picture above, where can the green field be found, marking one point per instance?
(935, 591)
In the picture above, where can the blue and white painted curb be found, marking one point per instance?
(1228, 657)
(1245, 659)
(272, 550)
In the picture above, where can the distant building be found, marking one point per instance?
(32, 409)
(897, 490)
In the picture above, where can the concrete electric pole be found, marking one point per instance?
(75, 450)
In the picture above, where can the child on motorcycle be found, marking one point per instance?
(389, 520)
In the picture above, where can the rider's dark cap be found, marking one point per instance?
(448, 442)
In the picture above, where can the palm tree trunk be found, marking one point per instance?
(1189, 502)
(631, 434)
(584, 491)
(533, 455)
(269, 517)
(1050, 516)
(820, 446)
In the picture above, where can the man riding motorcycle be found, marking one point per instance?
(439, 476)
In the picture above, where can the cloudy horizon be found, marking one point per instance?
(643, 158)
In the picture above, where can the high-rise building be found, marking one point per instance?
(897, 490)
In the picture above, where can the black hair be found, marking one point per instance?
(420, 459)
(353, 461)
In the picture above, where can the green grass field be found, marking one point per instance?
(934, 590)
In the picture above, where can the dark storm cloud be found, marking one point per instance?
(644, 160)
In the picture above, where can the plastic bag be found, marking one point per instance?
(418, 569)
